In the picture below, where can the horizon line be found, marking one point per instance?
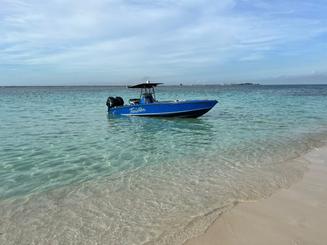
(172, 85)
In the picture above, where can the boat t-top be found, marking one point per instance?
(147, 104)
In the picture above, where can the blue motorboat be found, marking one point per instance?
(147, 105)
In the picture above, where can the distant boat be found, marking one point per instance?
(147, 105)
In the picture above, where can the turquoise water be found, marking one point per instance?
(68, 172)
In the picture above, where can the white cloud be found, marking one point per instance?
(252, 57)
(139, 36)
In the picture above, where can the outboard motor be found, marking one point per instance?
(120, 101)
(113, 102)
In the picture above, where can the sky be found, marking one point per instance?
(98, 42)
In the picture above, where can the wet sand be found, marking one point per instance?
(297, 215)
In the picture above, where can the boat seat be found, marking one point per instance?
(134, 101)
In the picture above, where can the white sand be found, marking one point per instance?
(297, 215)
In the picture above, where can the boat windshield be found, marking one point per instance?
(147, 91)
(147, 95)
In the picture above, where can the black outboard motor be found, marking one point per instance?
(120, 101)
(113, 102)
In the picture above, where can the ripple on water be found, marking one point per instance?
(69, 173)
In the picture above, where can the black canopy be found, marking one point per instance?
(147, 84)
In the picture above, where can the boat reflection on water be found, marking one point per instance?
(147, 132)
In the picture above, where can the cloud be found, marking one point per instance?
(313, 78)
(252, 57)
(125, 38)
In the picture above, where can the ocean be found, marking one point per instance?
(71, 174)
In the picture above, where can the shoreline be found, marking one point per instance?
(293, 215)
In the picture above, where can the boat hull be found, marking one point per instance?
(191, 108)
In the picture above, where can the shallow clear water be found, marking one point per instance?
(70, 173)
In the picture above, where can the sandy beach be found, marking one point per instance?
(297, 215)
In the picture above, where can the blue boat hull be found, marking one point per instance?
(190, 108)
